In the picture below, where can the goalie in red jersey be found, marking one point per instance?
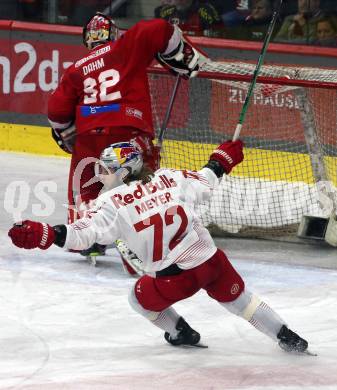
(155, 213)
(104, 97)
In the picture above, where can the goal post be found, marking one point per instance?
(290, 137)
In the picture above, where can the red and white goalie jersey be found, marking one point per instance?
(157, 220)
(109, 87)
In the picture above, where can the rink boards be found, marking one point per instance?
(273, 165)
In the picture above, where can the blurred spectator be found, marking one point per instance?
(162, 4)
(300, 28)
(64, 11)
(326, 31)
(192, 16)
(83, 10)
(9, 9)
(31, 10)
(330, 6)
(224, 6)
(237, 14)
(256, 24)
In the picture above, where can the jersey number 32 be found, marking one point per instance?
(98, 90)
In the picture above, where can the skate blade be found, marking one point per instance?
(306, 352)
(199, 345)
(310, 353)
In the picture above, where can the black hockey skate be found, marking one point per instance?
(186, 335)
(290, 341)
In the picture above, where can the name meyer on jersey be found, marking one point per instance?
(143, 190)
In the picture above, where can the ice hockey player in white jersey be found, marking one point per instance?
(154, 213)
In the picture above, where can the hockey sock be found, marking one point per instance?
(165, 320)
(257, 313)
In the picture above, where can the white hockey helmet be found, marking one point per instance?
(122, 159)
(98, 30)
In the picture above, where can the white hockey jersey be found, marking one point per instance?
(157, 220)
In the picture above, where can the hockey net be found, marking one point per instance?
(290, 136)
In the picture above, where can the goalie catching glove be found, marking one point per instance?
(65, 138)
(184, 60)
(225, 157)
(29, 235)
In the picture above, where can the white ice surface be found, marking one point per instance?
(67, 325)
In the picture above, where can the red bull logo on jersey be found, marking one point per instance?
(144, 190)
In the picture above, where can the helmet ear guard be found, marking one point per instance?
(99, 30)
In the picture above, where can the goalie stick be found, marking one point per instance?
(168, 112)
(121, 247)
(130, 257)
(163, 127)
(256, 71)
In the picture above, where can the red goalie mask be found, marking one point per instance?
(100, 29)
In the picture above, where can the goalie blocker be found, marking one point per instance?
(64, 136)
(184, 60)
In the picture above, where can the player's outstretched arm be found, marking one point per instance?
(98, 227)
(225, 157)
(180, 57)
(30, 234)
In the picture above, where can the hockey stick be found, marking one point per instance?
(256, 71)
(163, 127)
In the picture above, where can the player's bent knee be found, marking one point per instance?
(133, 301)
(244, 306)
(148, 296)
(227, 292)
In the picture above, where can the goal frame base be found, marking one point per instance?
(318, 228)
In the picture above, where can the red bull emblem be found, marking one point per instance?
(123, 154)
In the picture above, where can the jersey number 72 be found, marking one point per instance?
(157, 221)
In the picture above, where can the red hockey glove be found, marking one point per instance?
(29, 234)
(150, 152)
(228, 154)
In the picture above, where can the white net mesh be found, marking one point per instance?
(273, 72)
(277, 182)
